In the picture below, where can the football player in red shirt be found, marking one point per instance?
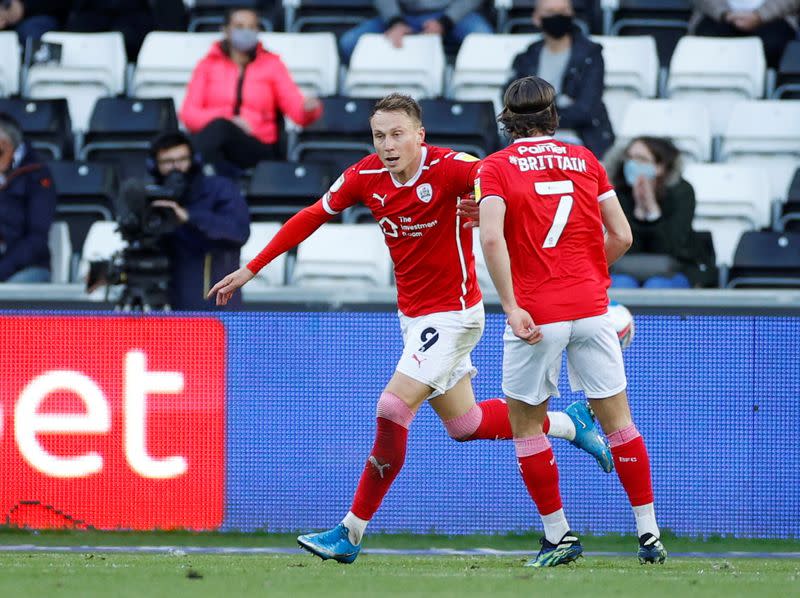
(543, 207)
(412, 190)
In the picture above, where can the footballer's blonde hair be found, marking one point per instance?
(529, 108)
(399, 102)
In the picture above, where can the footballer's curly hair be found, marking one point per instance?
(398, 102)
(529, 108)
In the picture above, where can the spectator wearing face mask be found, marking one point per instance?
(574, 66)
(660, 206)
(236, 96)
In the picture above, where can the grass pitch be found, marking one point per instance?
(89, 573)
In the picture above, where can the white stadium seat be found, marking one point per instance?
(765, 133)
(60, 246)
(92, 65)
(730, 191)
(484, 278)
(377, 67)
(725, 232)
(9, 63)
(351, 254)
(717, 72)
(272, 275)
(166, 62)
(483, 65)
(631, 67)
(686, 123)
(312, 59)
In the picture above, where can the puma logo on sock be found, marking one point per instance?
(374, 462)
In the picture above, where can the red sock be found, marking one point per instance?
(632, 464)
(539, 472)
(487, 420)
(386, 458)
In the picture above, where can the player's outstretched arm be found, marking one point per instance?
(619, 236)
(226, 287)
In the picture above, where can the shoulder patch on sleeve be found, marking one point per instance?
(337, 184)
(465, 157)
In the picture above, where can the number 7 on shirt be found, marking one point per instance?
(562, 212)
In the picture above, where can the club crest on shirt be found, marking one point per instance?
(425, 192)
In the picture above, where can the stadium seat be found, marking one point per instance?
(348, 254)
(766, 259)
(787, 84)
(86, 193)
(92, 65)
(336, 16)
(631, 65)
(789, 218)
(121, 130)
(725, 233)
(685, 122)
(60, 253)
(666, 20)
(10, 58)
(730, 191)
(273, 275)
(377, 67)
(765, 133)
(514, 16)
(463, 126)
(166, 62)
(717, 72)
(312, 59)
(284, 188)
(102, 241)
(340, 137)
(209, 15)
(46, 124)
(483, 65)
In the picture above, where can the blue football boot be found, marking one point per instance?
(332, 544)
(567, 550)
(587, 435)
(651, 550)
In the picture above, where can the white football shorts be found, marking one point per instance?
(438, 346)
(594, 361)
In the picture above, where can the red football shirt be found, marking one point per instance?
(432, 253)
(553, 227)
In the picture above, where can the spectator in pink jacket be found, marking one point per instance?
(237, 95)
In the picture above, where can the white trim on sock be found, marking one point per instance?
(355, 526)
(555, 526)
(646, 520)
(561, 426)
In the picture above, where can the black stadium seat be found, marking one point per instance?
(340, 137)
(86, 193)
(209, 15)
(788, 81)
(336, 16)
(46, 124)
(666, 20)
(121, 129)
(280, 189)
(517, 18)
(765, 260)
(464, 126)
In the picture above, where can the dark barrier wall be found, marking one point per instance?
(265, 421)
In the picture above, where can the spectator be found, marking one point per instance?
(32, 18)
(574, 66)
(236, 95)
(27, 207)
(451, 19)
(740, 18)
(133, 18)
(214, 222)
(660, 206)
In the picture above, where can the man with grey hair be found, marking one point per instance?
(27, 208)
(451, 19)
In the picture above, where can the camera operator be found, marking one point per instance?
(27, 208)
(213, 221)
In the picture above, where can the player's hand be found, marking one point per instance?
(311, 103)
(396, 32)
(523, 327)
(433, 26)
(469, 210)
(226, 287)
(180, 212)
(745, 20)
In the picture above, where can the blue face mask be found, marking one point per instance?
(632, 170)
(244, 40)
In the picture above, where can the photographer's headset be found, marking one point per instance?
(166, 140)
